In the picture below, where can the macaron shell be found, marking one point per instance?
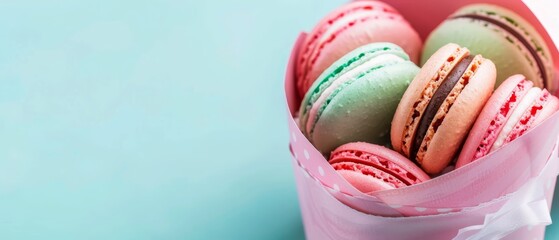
(532, 35)
(512, 126)
(364, 183)
(321, 27)
(355, 113)
(381, 26)
(314, 113)
(487, 115)
(551, 107)
(459, 119)
(343, 70)
(543, 104)
(370, 168)
(374, 30)
(415, 91)
(508, 54)
(482, 40)
(309, 45)
(389, 158)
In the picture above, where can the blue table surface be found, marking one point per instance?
(148, 120)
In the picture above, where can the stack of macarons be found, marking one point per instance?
(486, 78)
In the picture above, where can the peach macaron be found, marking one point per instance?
(441, 105)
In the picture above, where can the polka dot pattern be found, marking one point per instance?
(395, 206)
(321, 171)
(420, 209)
(444, 210)
(317, 170)
(336, 187)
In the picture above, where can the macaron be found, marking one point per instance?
(350, 26)
(500, 35)
(440, 106)
(370, 168)
(355, 98)
(514, 108)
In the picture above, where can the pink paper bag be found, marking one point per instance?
(473, 202)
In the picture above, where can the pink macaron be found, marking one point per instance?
(369, 167)
(352, 25)
(514, 108)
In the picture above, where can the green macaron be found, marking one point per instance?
(500, 35)
(356, 97)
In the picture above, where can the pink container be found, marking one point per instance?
(473, 202)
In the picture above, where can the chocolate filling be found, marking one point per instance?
(518, 36)
(436, 101)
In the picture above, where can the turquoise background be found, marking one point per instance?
(148, 120)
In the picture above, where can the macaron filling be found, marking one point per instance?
(365, 158)
(518, 113)
(437, 101)
(529, 117)
(499, 120)
(516, 34)
(421, 104)
(325, 96)
(370, 171)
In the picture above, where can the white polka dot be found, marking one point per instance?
(321, 171)
(443, 210)
(395, 206)
(293, 137)
(420, 209)
(296, 156)
(307, 156)
(336, 187)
